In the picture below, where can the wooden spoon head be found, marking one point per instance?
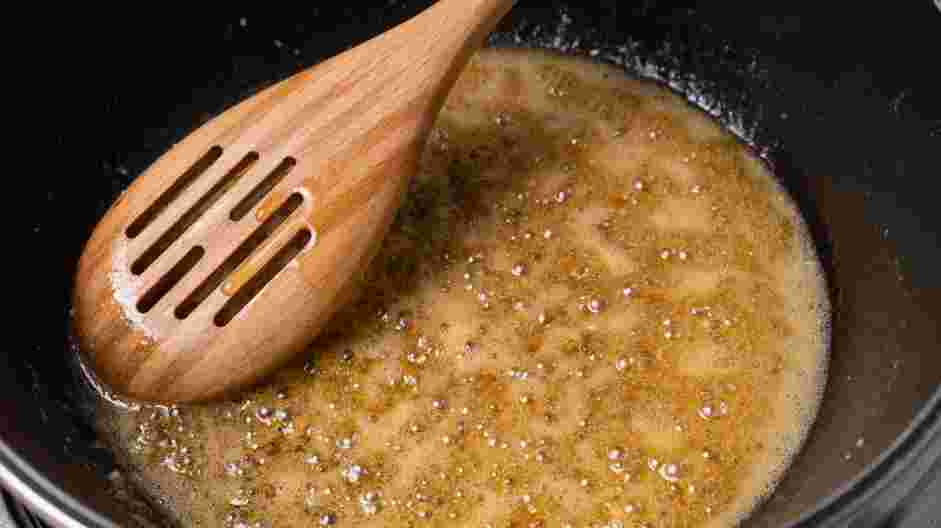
(226, 256)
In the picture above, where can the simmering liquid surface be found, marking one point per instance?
(596, 309)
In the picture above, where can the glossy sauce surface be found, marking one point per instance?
(596, 308)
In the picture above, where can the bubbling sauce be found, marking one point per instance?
(597, 308)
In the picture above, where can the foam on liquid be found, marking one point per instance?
(596, 309)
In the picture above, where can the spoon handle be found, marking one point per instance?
(454, 30)
(428, 52)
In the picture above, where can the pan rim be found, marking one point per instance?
(43, 497)
(900, 456)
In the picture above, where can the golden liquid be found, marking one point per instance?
(595, 309)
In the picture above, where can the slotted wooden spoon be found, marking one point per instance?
(226, 257)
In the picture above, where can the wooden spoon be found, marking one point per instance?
(226, 257)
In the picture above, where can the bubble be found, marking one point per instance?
(710, 411)
(519, 374)
(233, 470)
(353, 473)
(595, 305)
(369, 503)
(264, 415)
(669, 472)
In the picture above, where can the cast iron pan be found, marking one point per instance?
(842, 100)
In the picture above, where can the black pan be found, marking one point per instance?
(841, 100)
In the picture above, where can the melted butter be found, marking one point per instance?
(594, 309)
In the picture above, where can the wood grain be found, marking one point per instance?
(355, 124)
